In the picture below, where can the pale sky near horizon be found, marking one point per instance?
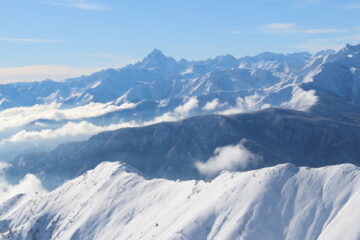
(65, 38)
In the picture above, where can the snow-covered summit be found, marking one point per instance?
(157, 60)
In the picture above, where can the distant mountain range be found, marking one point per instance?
(159, 88)
(159, 77)
(317, 124)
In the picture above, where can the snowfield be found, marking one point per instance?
(115, 202)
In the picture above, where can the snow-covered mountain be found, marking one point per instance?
(298, 110)
(338, 75)
(160, 88)
(116, 202)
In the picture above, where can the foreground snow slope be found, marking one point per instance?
(114, 202)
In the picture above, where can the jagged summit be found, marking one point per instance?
(227, 61)
(156, 53)
(158, 60)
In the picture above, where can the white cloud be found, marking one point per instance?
(322, 30)
(301, 99)
(212, 105)
(166, 117)
(29, 185)
(230, 158)
(249, 103)
(185, 109)
(292, 28)
(31, 40)
(3, 166)
(180, 112)
(80, 4)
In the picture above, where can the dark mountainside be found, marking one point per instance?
(316, 138)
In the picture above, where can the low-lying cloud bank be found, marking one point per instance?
(68, 131)
(212, 105)
(46, 139)
(245, 104)
(86, 129)
(180, 112)
(230, 158)
(20, 116)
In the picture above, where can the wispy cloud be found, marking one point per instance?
(292, 28)
(80, 4)
(277, 27)
(32, 40)
(322, 30)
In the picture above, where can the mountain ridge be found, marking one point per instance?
(169, 153)
(112, 202)
(80, 90)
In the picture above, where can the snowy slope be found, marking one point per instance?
(338, 75)
(114, 202)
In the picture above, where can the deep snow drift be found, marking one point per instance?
(115, 202)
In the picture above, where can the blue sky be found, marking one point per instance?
(61, 38)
